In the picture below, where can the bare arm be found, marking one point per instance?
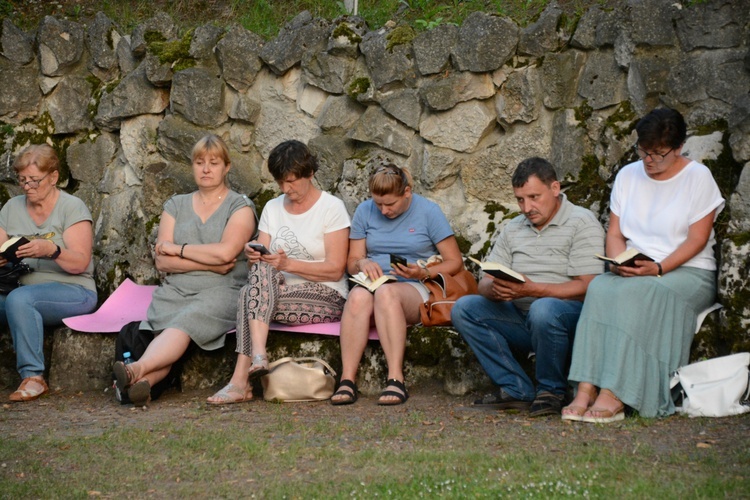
(217, 257)
(74, 257)
(452, 262)
(331, 269)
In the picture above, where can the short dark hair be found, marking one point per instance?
(291, 158)
(663, 127)
(534, 166)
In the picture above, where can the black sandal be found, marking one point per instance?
(401, 396)
(352, 395)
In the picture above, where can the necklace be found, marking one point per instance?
(203, 201)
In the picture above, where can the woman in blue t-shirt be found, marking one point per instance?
(394, 221)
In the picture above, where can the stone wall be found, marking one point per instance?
(460, 106)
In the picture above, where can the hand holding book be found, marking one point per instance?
(10, 247)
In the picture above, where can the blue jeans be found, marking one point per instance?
(27, 309)
(492, 329)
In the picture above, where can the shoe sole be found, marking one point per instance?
(121, 375)
(515, 405)
(572, 418)
(257, 374)
(545, 412)
(604, 420)
(140, 393)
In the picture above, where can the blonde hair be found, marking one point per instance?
(387, 178)
(42, 155)
(211, 144)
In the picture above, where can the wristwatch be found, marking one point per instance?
(56, 253)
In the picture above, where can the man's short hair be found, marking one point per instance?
(534, 166)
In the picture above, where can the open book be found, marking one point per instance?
(626, 258)
(499, 271)
(8, 249)
(363, 280)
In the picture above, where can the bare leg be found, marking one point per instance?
(355, 328)
(396, 306)
(160, 355)
(259, 336)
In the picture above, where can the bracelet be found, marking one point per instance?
(182, 249)
(660, 272)
(429, 276)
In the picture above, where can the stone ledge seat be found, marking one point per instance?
(83, 351)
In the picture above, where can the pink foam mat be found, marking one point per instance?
(130, 303)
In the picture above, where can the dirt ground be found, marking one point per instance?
(92, 413)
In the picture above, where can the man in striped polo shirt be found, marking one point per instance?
(552, 244)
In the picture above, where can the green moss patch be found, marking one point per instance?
(344, 30)
(357, 87)
(401, 35)
(175, 53)
(590, 186)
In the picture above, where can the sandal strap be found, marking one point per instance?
(611, 395)
(392, 382)
(347, 383)
(258, 359)
(401, 397)
(397, 383)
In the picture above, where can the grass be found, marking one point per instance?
(266, 17)
(317, 451)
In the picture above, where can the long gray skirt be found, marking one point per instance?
(634, 332)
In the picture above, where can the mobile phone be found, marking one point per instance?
(258, 247)
(397, 259)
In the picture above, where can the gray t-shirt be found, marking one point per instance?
(69, 210)
(562, 249)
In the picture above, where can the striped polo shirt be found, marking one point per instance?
(564, 248)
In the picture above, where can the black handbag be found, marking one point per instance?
(10, 276)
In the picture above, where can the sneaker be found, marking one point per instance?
(546, 403)
(501, 400)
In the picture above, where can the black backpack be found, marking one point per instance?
(135, 341)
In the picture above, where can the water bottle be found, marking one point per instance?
(126, 358)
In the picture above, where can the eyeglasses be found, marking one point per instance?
(32, 183)
(657, 157)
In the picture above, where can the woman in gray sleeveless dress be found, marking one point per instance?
(199, 247)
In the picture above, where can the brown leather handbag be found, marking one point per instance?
(445, 290)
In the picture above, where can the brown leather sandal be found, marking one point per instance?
(605, 416)
(30, 389)
(124, 375)
(574, 412)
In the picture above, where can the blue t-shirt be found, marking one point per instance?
(414, 234)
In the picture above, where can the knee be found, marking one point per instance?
(20, 300)
(462, 309)
(358, 300)
(545, 312)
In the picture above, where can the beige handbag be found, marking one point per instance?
(298, 379)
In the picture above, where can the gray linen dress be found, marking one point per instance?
(202, 304)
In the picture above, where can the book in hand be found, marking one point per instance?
(626, 258)
(363, 280)
(9, 248)
(499, 271)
